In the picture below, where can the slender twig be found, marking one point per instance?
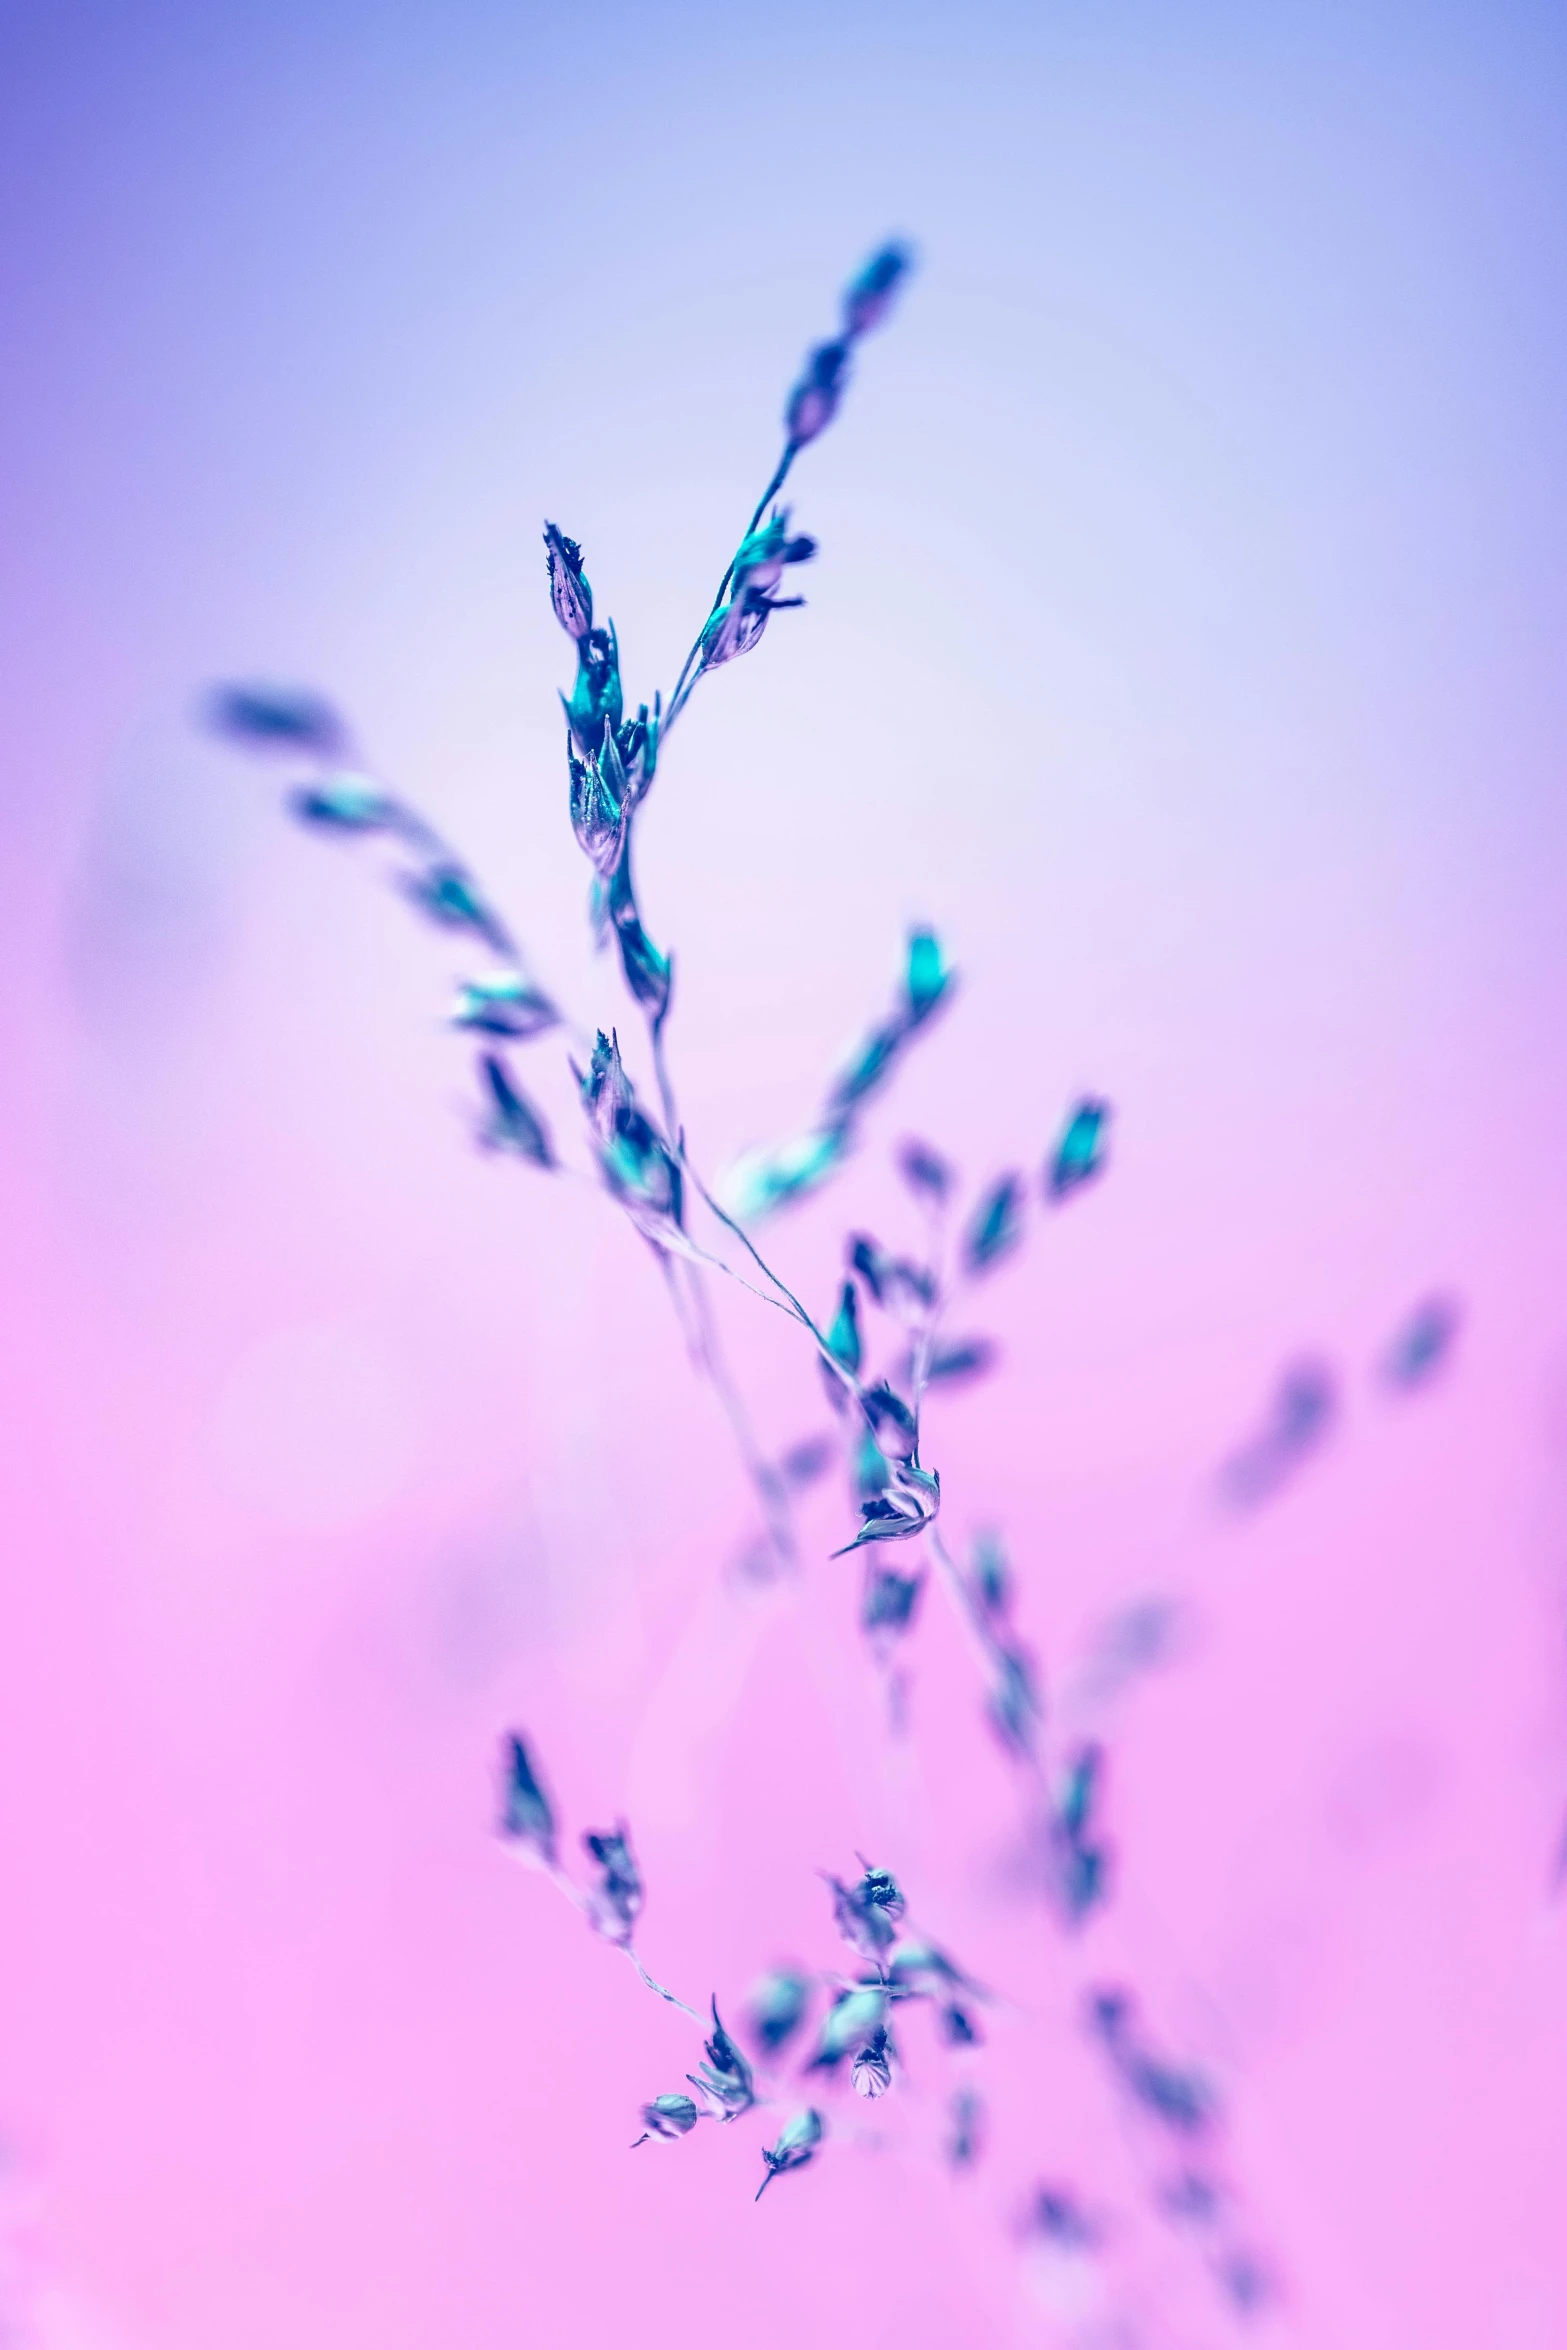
(654, 1985)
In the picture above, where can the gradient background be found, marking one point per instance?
(1186, 642)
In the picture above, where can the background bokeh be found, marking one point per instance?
(1186, 643)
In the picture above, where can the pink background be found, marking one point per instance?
(1186, 643)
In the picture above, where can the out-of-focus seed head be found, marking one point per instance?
(277, 718)
(966, 2142)
(925, 1171)
(510, 1122)
(854, 2019)
(889, 1602)
(762, 1180)
(1079, 1155)
(874, 290)
(929, 978)
(1424, 1343)
(345, 803)
(813, 403)
(447, 895)
(777, 2008)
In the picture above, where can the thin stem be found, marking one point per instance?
(584, 1906)
(794, 1305)
(706, 1351)
(769, 1486)
(957, 1592)
(654, 1985)
(925, 1343)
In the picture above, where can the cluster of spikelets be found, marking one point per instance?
(893, 1302)
(854, 2035)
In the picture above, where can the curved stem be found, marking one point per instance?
(769, 1486)
(653, 1984)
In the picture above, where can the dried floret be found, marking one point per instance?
(871, 2071)
(794, 2148)
(596, 699)
(906, 1506)
(763, 556)
(725, 2078)
(637, 742)
(759, 564)
(669, 2116)
(636, 1164)
(598, 803)
(867, 1912)
(569, 590)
